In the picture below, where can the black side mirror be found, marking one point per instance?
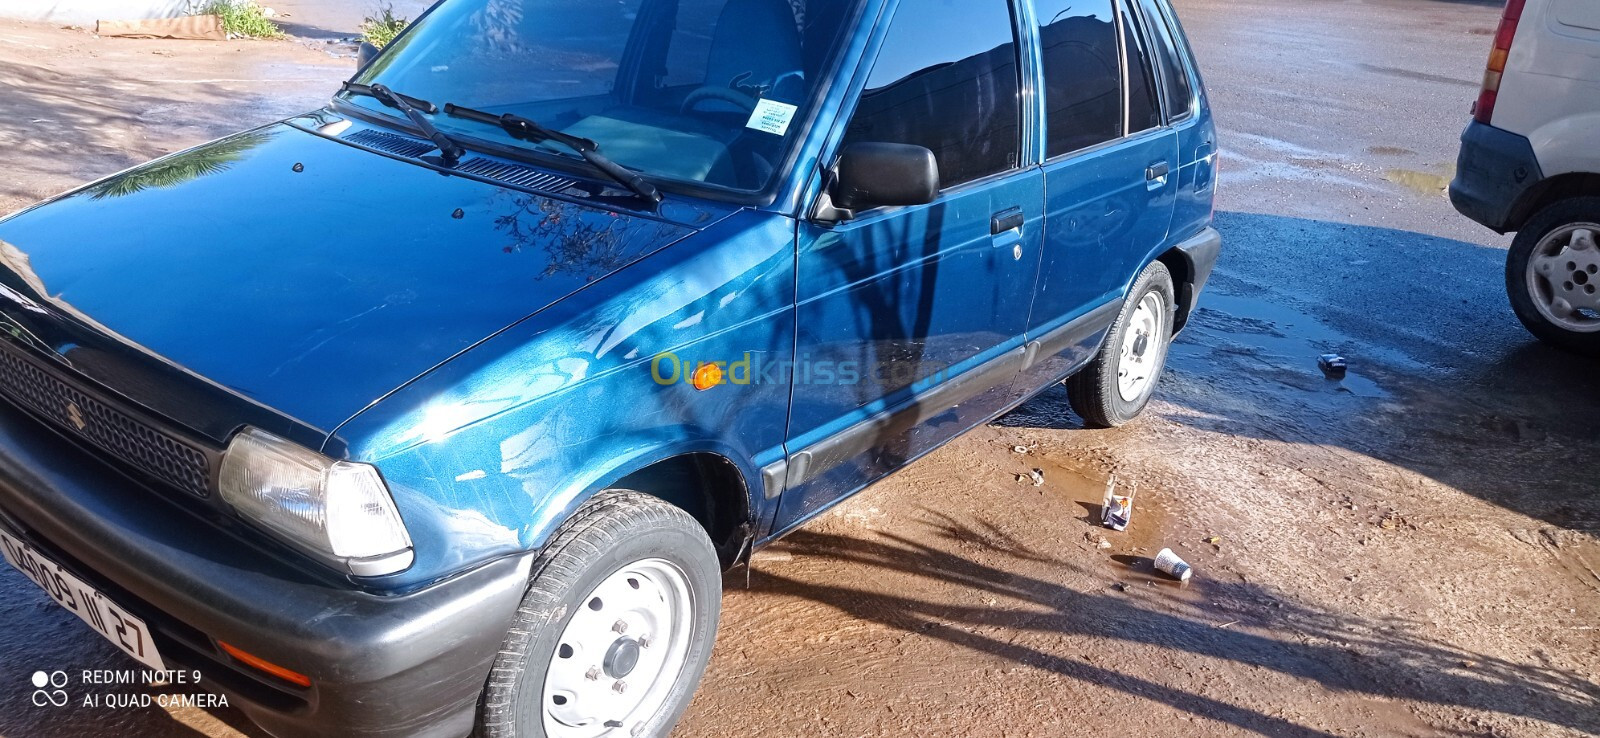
(871, 175)
(366, 54)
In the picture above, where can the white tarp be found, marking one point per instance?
(87, 12)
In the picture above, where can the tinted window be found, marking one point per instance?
(946, 79)
(1082, 75)
(1176, 89)
(1144, 112)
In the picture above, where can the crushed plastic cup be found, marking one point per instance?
(1168, 563)
(1116, 511)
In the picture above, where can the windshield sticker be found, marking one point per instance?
(771, 116)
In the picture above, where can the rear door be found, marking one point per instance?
(1110, 175)
(911, 320)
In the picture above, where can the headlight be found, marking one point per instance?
(339, 510)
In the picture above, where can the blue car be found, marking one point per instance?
(440, 410)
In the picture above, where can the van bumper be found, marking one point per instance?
(402, 665)
(1495, 169)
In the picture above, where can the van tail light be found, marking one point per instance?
(1483, 111)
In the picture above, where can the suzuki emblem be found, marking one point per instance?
(76, 416)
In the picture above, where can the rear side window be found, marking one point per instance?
(1144, 110)
(1082, 74)
(1176, 89)
(946, 79)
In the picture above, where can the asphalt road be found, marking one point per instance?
(1411, 551)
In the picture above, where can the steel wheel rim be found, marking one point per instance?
(1564, 277)
(646, 603)
(1143, 348)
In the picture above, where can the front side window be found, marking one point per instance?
(703, 91)
(1082, 74)
(946, 79)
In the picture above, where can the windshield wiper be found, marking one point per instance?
(527, 129)
(413, 108)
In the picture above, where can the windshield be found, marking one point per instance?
(704, 91)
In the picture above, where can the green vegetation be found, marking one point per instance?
(243, 18)
(379, 30)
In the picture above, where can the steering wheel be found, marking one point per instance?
(723, 94)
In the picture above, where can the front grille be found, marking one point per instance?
(125, 437)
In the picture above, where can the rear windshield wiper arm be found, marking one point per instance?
(413, 108)
(527, 129)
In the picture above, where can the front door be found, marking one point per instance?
(911, 320)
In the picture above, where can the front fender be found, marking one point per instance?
(488, 453)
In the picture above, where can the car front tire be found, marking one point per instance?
(616, 627)
(1116, 386)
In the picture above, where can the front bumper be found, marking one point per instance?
(406, 665)
(1495, 169)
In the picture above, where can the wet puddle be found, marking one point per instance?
(1286, 340)
(1426, 183)
(1130, 556)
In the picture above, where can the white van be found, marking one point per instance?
(1530, 163)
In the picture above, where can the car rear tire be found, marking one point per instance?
(616, 627)
(1553, 275)
(1116, 386)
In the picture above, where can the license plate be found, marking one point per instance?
(125, 631)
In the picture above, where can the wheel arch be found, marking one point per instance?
(706, 480)
(1182, 268)
(1550, 191)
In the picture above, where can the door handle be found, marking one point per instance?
(1006, 220)
(1158, 171)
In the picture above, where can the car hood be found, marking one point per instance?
(297, 273)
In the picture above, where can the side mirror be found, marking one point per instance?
(366, 54)
(871, 175)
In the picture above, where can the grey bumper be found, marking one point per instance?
(1495, 169)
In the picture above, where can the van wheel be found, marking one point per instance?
(1115, 387)
(615, 630)
(1553, 275)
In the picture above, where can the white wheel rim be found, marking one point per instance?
(1144, 348)
(1564, 277)
(643, 611)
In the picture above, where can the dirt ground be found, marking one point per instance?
(1409, 552)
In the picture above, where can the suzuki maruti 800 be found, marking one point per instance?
(441, 409)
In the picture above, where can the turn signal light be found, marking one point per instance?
(1483, 111)
(706, 377)
(260, 664)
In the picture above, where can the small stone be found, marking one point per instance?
(1120, 587)
(1469, 664)
(1038, 477)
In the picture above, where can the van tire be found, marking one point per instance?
(1534, 234)
(609, 535)
(1094, 392)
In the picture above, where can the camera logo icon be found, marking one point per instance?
(48, 690)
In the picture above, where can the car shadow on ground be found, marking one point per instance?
(1461, 395)
(1330, 649)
